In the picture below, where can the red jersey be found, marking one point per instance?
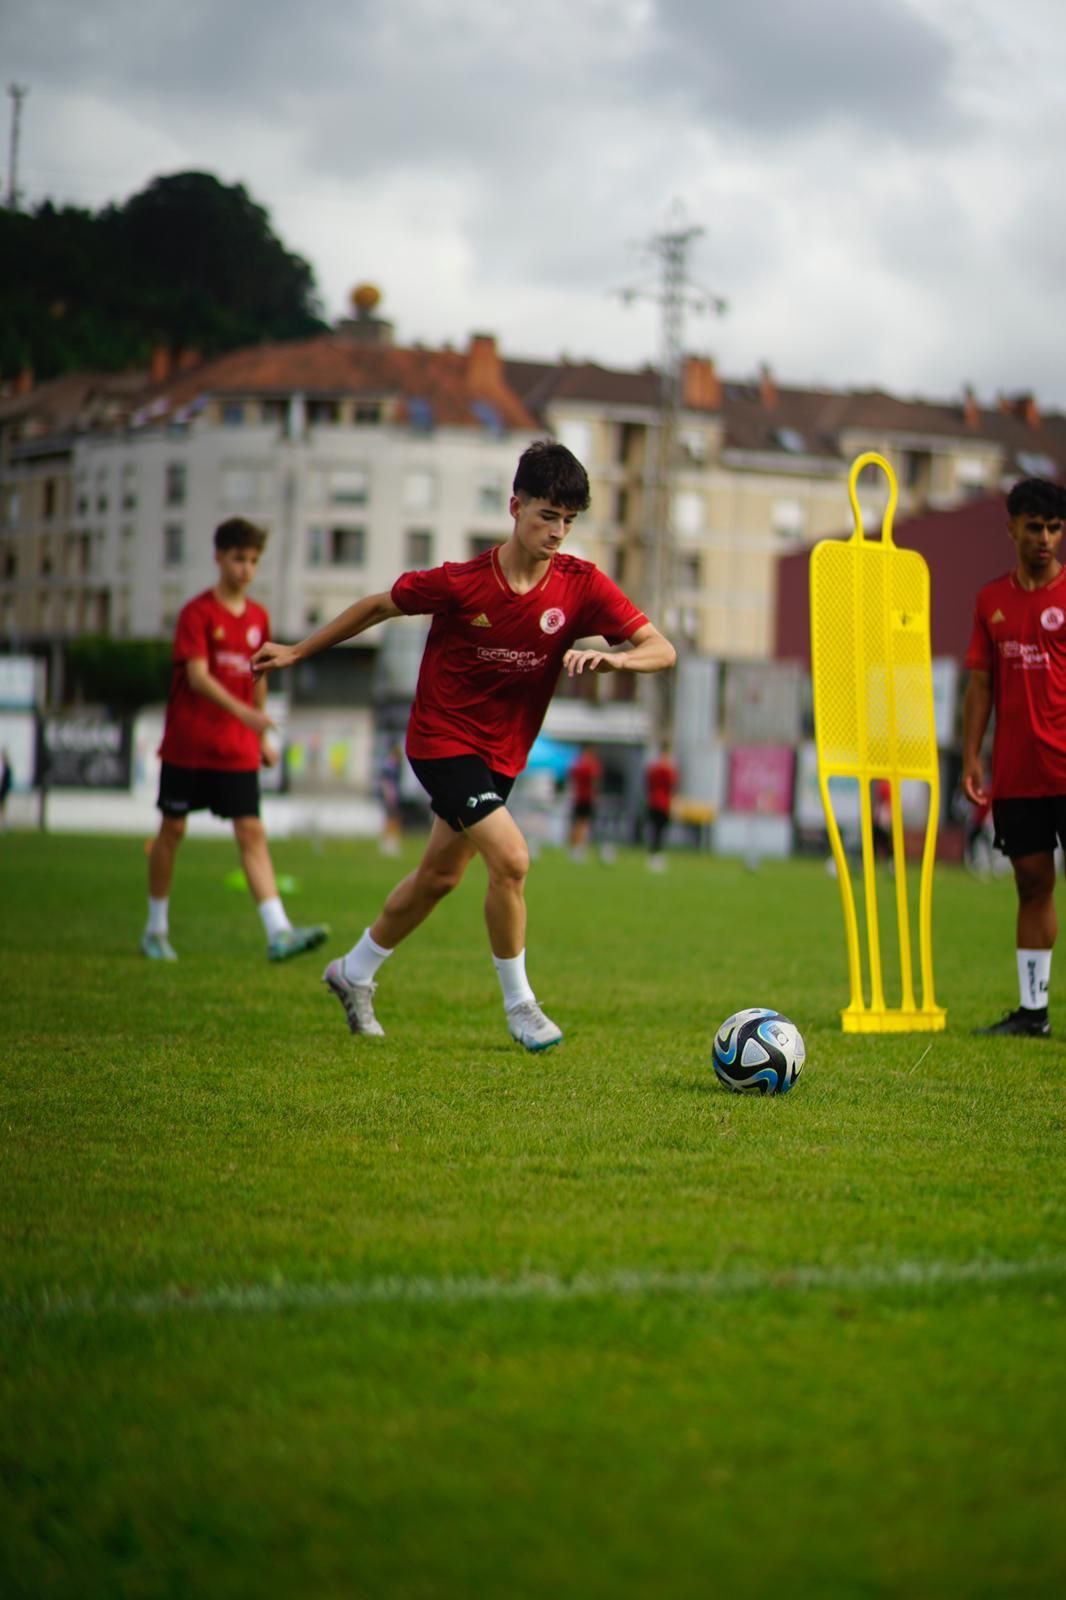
(493, 657)
(661, 780)
(198, 733)
(1019, 636)
(585, 776)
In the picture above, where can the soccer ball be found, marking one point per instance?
(758, 1052)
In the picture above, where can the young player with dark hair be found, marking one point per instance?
(214, 740)
(504, 626)
(1017, 662)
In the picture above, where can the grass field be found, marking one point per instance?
(283, 1313)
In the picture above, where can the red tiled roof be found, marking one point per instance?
(331, 366)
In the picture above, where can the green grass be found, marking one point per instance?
(287, 1313)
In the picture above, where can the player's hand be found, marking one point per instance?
(973, 783)
(268, 752)
(257, 720)
(270, 657)
(578, 661)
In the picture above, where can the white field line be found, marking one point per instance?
(635, 1283)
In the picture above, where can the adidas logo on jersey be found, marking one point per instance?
(480, 621)
(997, 616)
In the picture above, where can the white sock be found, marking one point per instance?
(158, 916)
(274, 919)
(511, 971)
(1034, 976)
(363, 959)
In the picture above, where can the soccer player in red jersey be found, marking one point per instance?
(1017, 662)
(214, 739)
(584, 778)
(504, 626)
(660, 781)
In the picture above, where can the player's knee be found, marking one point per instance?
(439, 881)
(172, 830)
(248, 831)
(511, 867)
(1035, 884)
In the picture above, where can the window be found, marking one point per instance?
(312, 617)
(14, 506)
(970, 472)
(125, 548)
(419, 489)
(274, 411)
(477, 544)
(577, 437)
(49, 497)
(83, 505)
(347, 547)
(367, 413)
(129, 488)
(916, 464)
(233, 413)
(621, 506)
(488, 416)
(173, 545)
(688, 512)
(789, 519)
(10, 565)
(420, 414)
(174, 492)
(790, 439)
(688, 574)
(101, 502)
(419, 549)
(618, 565)
(490, 494)
(322, 412)
(348, 486)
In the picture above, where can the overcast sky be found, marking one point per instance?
(879, 182)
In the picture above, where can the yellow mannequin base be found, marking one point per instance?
(893, 1021)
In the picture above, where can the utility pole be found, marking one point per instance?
(18, 93)
(673, 294)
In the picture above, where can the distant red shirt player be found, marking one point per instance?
(214, 740)
(504, 626)
(584, 778)
(1017, 661)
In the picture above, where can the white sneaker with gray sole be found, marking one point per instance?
(532, 1029)
(356, 998)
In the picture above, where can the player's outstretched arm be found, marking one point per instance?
(646, 650)
(201, 680)
(365, 613)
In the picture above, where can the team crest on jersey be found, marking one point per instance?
(1052, 619)
(254, 637)
(552, 620)
(219, 632)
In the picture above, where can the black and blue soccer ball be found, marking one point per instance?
(758, 1051)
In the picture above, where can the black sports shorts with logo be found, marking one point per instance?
(227, 794)
(1030, 826)
(462, 789)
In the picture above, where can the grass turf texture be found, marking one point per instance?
(286, 1312)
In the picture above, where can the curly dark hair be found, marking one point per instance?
(1036, 497)
(237, 533)
(548, 471)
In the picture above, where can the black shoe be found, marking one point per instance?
(1022, 1023)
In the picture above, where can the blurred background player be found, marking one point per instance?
(584, 778)
(214, 740)
(6, 780)
(503, 627)
(389, 784)
(1017, 662)
(660, 783)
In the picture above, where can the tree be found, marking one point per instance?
(188, 262)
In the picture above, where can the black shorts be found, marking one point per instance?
(583, 810)
(1030, 826)
(227, 794)
(462, 789)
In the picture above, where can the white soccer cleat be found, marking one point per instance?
(357, 1000)
(532, 1029)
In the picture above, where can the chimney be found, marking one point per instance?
(23, 383)
(188, 358)
(971, 411)
(768, 396)
(700, 387)
(159, 369)
(1026, 408)
(484, 374)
